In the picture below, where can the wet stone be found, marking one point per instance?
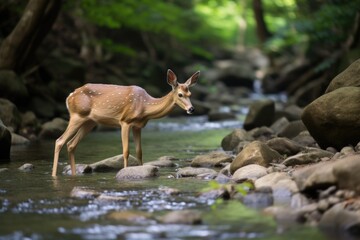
(112, 164)
(161, 163)
(27, 167)
(2, 170)
(137, 172)
(82, 192)
(110, 198)
(193, 172)
(182, 217)
(212, 159)
(169, 191)
(79, 169)
(131, 216)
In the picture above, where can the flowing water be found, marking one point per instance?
(34, 205)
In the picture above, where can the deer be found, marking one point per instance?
(127, 107)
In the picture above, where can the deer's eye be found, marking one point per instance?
(180, 95)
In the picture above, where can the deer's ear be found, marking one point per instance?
(172, 79)
(193, 79)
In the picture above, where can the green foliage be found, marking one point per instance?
(328, 25)
(110, 45)
(175, 22)
(244, 187)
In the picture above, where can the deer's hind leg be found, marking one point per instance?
(72, 144)
(137, 139)
(75, 123)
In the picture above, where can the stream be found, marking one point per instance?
(33, 205)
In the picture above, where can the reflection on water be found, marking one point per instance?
(36, 206)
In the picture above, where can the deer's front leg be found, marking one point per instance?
(137, 139)
(125, 129)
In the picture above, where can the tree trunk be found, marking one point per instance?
(21, 43)
(262, 30)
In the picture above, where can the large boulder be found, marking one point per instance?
(261, 113)
(255, 153)
(5, 143)
(9, 114)
(12, 86)
(333, 119)
(350, 77)
(53, 129)
(137, 172)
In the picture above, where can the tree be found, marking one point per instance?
(262, 30)
(19, 46)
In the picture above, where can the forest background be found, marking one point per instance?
(50, 47)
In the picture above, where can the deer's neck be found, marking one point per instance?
(160, 107)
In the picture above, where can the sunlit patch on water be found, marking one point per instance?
(198, 123)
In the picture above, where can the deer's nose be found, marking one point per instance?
(191, 110)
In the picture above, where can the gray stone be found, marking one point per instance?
(137, 172)
(346, 171)
(279, 125)
(212, 159)
(214, 116)
(284, 146)
(79, 169)
(350, 77)
(27, 167)
(83, 192)
(338, 219)
(293, 112)
(161, 163)
(283, 187)
(309, 155)
(293, 129)
(113, 164)
(336, 126)
(2, 170)
(261, 113)
(257, 199)
(193, 172)
(182, 217)
(255, 153)
(316, 176)
(53, 129)
(231, 140)
(17, 139)
(106, 198)
(251, 171)
(130, 216)
(262, 133)
(305, 139)
(10, 115)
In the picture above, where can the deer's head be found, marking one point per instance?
(181, 92)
